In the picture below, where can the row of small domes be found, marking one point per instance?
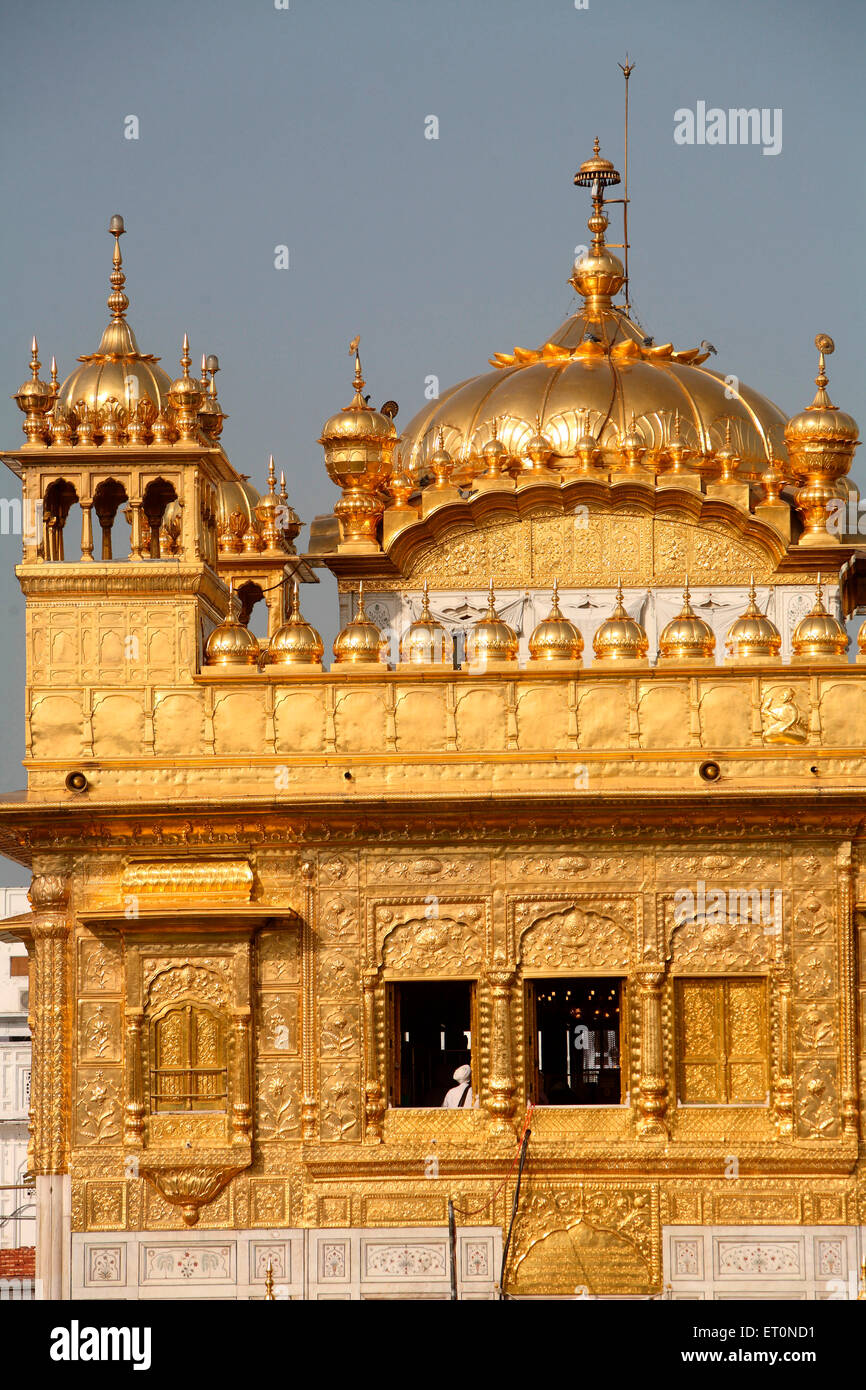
(686, 637)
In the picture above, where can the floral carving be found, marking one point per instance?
(279, 1106)
(817, 1111)
(440, 944)
(98, 1109)
(340, 1105)
(339, 1031)
(169, 981)
(557, 936)
(766, 1257)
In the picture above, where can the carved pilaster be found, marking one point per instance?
(242, 1112)
(653, 1098)
(500, 1083)
(847, 989)
(374, 1097)
(783, 1102)
(309, 1104)
(50, 1100)
(133, 1114)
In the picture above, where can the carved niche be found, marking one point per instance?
(575, 934)
(438, 937)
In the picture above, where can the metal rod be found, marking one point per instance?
(627, 69)
(452, 1248)
(523, 1148)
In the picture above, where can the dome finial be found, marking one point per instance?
(358, 402)
(272, 481)
(825, 345)
(598, 274)
(117, 301)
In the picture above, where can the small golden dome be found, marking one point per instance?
(620, 638)
(555, 638)
(427, 641)
(360, 642)
(861, 640)
(494, 453)
(358, 420)
(753, 633)
(441, 463)
(230, 644)
(687, 637)
(819, 633)
(822, 421)
(296, 642)
(538, 449)
(491, 639)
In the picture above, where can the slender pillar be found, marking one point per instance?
(847, 982)
(135, 531)
(309, 1103)
(50, 1092)
(241, 1103)
(374, 1099)
(653, 1099)
(783, 1101)
(500, 1085)
(133, 1115)
(87, 530)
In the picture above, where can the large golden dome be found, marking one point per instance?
(427, 642)
(593, 373)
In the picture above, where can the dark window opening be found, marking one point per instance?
(574, 1040)
(430, 1035)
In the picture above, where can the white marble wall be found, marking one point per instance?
(334, 1265)
(799, 1263)
(588, 608)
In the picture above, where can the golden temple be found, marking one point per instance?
(574, 817)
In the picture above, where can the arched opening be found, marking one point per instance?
(249, 594)
(157, 496)
(106, 500)
(59, 497)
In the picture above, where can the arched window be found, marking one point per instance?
(59, 497)
(188, 1066)
(157, 496)
(106, 500)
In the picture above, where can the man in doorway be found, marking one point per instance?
(460, 1096)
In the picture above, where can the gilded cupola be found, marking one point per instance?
(821, 441)
(620, 638)
(753, 635)
(687, 637)
(231, 644)
(117, 377)
(819, 634)
(491, 639)
(427, 642)
(296, 642)
(35, 398)
(360, 643)
(359, 443)
(555, 638)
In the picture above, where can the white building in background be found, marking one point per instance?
(15, 1229)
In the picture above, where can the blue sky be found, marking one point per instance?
(305, 127)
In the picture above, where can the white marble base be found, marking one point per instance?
(804, 1263)
(405, 1263)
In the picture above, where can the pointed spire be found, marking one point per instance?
(425, 601)
(185, 358)
(295, 607)
(35, 364)
(117, 301)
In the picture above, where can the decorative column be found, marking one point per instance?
(50, 1098)
(850, 1095)
(87, 531)
(373, 1098)
(500, 1084)
(309, 1103)
(653, 1098)
(783, 1100)
(133, 1114)
(135, 530)
(241, 1111)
